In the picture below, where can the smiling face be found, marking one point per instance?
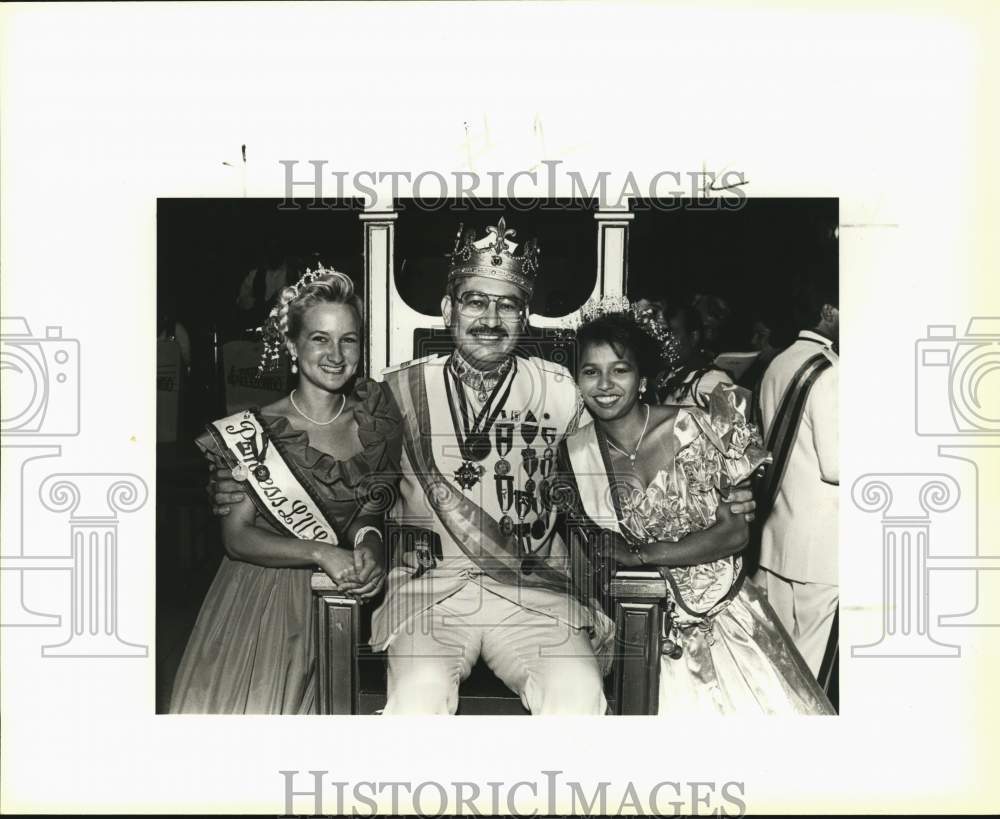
(328, 345)
(608, 380)
(484, 331)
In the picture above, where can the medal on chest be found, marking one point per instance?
(473, 434)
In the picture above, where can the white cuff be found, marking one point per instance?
(364, 530)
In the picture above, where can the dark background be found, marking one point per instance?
(752, 256)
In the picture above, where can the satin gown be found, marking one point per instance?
(253, 647)
(732, 655)
(737, 658)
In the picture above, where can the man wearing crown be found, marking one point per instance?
(484, 572)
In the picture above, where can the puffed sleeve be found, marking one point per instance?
(380, 428)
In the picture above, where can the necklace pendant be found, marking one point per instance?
(261, 473)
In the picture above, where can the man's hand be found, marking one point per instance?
(223, 490)
(370, 571)
(731, 530)
(741, 502)
(338, 563)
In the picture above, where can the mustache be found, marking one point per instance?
(488, 331)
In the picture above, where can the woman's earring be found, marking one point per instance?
(642, 386)
(295, 367)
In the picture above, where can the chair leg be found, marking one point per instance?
(338, 634)
(637, 661)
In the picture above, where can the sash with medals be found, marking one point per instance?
(281, 493)
(491, 544)
(481, 538)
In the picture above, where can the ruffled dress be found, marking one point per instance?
(726, 651)
(253, 646)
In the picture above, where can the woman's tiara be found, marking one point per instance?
(595, 309)
(276, 325)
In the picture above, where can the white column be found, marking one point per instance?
(612, 252)
(379, 225)
(94, 502)
(905, 559)
(14, 562)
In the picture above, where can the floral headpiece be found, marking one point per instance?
(594, 309)
(275, 329)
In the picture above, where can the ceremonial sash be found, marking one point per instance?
(274, 483)
(784, 429)
(829, 668)
(467, 523)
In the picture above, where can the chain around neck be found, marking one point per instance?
(632, 455)
(476, 377)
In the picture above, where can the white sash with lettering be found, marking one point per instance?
(286, 501)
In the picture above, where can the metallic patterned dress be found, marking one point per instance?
(731, 655)
(726, 652)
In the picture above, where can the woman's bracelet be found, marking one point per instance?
(364, 530)
(636, 549)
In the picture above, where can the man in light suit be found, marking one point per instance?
(798, 563)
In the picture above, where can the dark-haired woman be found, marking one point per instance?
(659, 486)
(313, 466)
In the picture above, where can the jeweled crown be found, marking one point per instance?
(495, 256)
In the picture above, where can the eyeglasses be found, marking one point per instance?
(473, 305)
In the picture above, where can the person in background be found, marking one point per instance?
(767, 341)
(169, 328)
(799, 497)
(715, 315)
(261, 286)
(692, 378)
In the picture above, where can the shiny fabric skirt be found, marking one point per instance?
(253, 647)
(743, 664)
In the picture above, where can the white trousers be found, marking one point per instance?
(549, 664)
(806, 611)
